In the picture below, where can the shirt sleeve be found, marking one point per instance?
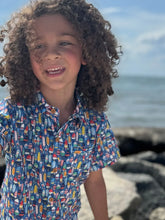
(4, 127)
(106, 151)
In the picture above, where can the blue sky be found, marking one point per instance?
(139, 26)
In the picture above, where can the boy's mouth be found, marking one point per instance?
(55, 70)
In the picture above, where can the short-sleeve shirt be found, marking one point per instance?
(46, 163)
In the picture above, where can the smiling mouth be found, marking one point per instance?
(55, 71)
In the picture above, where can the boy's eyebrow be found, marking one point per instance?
(69, 34)
(62, 34)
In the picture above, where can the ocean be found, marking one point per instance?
(137, 102)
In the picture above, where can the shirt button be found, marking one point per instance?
(53, 111)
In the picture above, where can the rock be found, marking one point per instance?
(147, 171)
(116, 218)
(2, 170)
(133, 140)
(121, 195)
(158, 214)
(155, 135)
(153, 196)
(135, 165)
(120, 191)
(152, 157)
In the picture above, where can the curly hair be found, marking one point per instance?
(99, 51)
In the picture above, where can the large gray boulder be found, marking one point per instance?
(132, 164)
(147, 171)
(121, 195)
(132, 140)
(153, 135)
(158, 214)
(150, 156)
(153, 196)
(2, 170)
(117, 217)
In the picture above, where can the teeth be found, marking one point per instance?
(55, 69)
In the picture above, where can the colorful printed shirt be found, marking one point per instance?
(46, 163)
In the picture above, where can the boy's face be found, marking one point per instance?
(56, 54)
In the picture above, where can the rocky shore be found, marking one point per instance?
(135, 139)
(136, 184)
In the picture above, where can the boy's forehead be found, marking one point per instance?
(55, 24)
(54, 20)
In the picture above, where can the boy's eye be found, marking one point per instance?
(65, 43)
(39, 46)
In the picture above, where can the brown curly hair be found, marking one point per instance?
(99, 50)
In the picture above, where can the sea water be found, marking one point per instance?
(137, 101)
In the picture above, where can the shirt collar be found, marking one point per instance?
(43, 106)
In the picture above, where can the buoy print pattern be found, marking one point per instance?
(46, 163)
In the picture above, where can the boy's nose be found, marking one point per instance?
(53, 53)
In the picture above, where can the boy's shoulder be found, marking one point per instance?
(5, 104)
(89, 115)
(7, 108)
(95, 117)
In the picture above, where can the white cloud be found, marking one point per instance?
(148, 43)
(110, 10)
(142, 35)
(153, 37)
(151, 16)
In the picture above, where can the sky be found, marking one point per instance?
(139, 26)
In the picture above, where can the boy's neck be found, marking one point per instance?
(64, 101)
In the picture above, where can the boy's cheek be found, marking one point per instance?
(36, 58)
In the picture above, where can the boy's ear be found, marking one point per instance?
(83, 62)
